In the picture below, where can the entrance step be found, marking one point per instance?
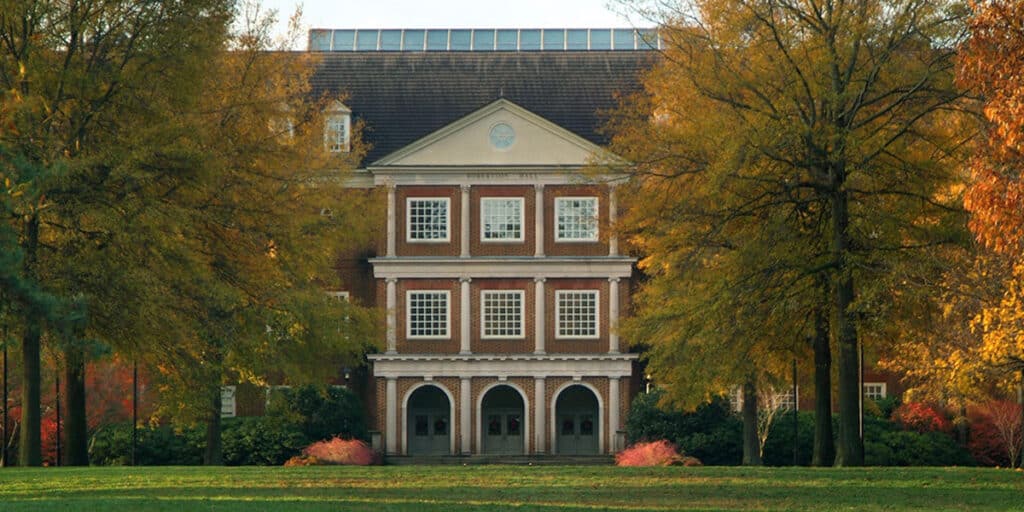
(509, 460)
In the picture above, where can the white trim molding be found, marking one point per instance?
(592, 267)
(576, 366)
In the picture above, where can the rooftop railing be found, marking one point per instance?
(482, 40)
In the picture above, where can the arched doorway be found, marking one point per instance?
(429, 422)
(577, 422)
(502, 421)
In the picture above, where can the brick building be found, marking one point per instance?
(501, 282)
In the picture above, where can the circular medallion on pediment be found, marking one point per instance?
(502, 136)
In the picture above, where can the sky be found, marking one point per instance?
(453, 14)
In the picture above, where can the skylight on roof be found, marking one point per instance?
(479, 40)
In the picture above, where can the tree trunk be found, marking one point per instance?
(1020, 400)
(214, 453)
(76, 435)
(963, 427)
(30, 445)
(824, 442)
(851, 446)
(30, 440)
(751, 443)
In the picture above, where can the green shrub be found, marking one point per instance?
(778, 449)
(886, 444)
(156, 446)
(320, 413)
(711, 433)
(261, 441)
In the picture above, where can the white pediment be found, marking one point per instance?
(500, 134)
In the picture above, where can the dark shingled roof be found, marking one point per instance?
(403, 96)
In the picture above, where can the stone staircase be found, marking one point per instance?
(508, 460)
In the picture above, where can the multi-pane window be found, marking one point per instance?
(874, 390)
(576, 314)
(336, 134)
(501, 219)
(576, 219)
(427, 219)
(502, 313)
(428, 314)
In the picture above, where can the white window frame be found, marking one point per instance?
(447, 221)
(228, 401)
(881, 387)
(335, 140)
(597, 216)
(483, 314)
(447, 317)
(483, 218)
(339, 295)
(558, 315)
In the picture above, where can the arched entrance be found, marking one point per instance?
(502, 421)
(577, 422)
(429, 422)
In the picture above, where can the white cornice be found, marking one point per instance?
(600, 267)
(497, 175)
(503, 365)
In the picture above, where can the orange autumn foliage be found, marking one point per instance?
(992, 64)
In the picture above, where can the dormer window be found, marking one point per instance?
(338, 128)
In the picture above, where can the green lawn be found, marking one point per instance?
(547, 488)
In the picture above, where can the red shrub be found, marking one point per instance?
(656, 453)
(301, 460)
(349, 452)
(922, 417)
(995, 433)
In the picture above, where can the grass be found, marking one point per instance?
(546, 488)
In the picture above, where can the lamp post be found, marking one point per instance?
(135, 408)
(3, 446)
(57, 398)
(796, 421)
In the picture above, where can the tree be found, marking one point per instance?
(79, 78)
(809, 142)
(257, 251)
(991, 65)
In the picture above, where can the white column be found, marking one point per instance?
(613, 217)
(465, 222)
(613, 412)
(391, 415)
(464, 315)
(392, 227)
(465, 414)
(538, 315)
(613, 315)
(539, 403)
(392, 310)
(538, 220)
